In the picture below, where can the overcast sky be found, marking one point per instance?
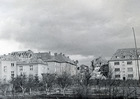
(82, 29)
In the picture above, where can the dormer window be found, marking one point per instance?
(116, 56)
(123, 56)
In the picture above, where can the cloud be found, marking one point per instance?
(74, 27)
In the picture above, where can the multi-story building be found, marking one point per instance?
(31, 64)
(22, 62)
(59, 63)
(123, 64)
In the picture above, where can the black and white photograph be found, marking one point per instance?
(70, 49)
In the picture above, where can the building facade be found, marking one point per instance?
(123, 64)
(59, 63)
(32, 64)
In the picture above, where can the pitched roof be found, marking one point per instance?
(32, 61)
(44, 56)
(60, 58)
(126, 54)
(24, 57)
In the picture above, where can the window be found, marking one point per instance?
(117, 69)
(130, 69)
(130, 76)
(5, 68)
(12, 64)
(123, 56)
(21, 68)
(129, 63)
(116, 63)
(116, 56)
(117, 76)
(12, 74)
(78, 68)
(31, 67)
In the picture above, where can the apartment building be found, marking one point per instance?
(59, 63)
(31, 64)
(21, 62)
(123, 64)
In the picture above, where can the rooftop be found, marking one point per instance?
(60, 58)
(24, 57)
(126, 54)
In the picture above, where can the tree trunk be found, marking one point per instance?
(30, 91)
(86, 90)
(23, 91)
(47, 91)
(13, 92)
(110, 91)
(63, 91)
(5, 92)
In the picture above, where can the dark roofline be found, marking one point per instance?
(123, 60)
(62, 62)
(30, 63)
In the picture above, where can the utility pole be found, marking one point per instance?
(136, 53)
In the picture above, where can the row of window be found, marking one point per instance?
(130, 69)
(129, 76)
(127, 56)
(12, 75)
(20, 68)
(128, 63)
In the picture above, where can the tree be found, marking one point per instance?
(64, 80)
(4, 88)
(21, 82)
(48, 81)
(85, 82)
(30, 84)
(36, 82)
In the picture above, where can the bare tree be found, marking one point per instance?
(30, 84)
(48, 81)
(4, 88)
(21, 82)
(64, 80)
(82, 82)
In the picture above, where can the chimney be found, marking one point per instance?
(49, 52)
